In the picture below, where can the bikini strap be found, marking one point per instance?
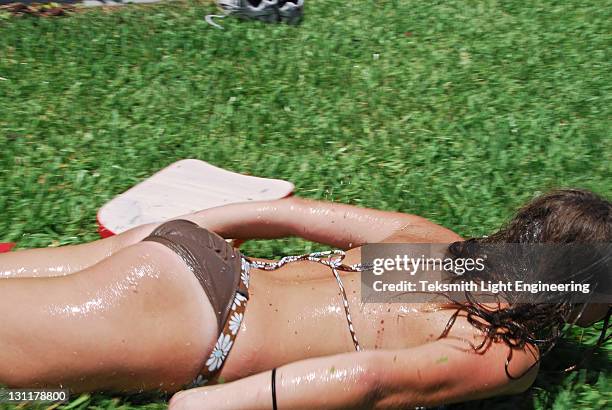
(333, 259)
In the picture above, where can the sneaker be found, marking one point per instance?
(264, 10)
(291, 12)
(270, 11)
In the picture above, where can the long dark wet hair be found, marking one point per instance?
(565, 216)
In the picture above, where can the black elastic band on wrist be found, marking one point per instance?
(274, 407)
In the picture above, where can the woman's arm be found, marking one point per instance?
(338, 225)
(445, 371)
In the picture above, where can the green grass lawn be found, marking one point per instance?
(455, 110)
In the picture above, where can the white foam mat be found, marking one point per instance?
(184, 187)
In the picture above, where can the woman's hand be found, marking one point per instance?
(202, 398)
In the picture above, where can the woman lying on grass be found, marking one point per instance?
(164, 307)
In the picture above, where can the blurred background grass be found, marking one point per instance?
(459, 111)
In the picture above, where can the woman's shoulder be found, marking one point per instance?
(511, 369)
(421, 230)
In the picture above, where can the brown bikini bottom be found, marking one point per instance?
(215, 263)
(224, 274)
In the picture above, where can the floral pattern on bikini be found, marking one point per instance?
(220, 352)
(238, 301)
(235, 322)
(245, 272)
(226, 339)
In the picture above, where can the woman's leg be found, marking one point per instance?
(65, 260)
(137, 320)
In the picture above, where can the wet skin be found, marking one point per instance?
(136, 321)
(137, 318)
(93, 323)
(287, 318)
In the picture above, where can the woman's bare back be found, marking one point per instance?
(297, 312)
